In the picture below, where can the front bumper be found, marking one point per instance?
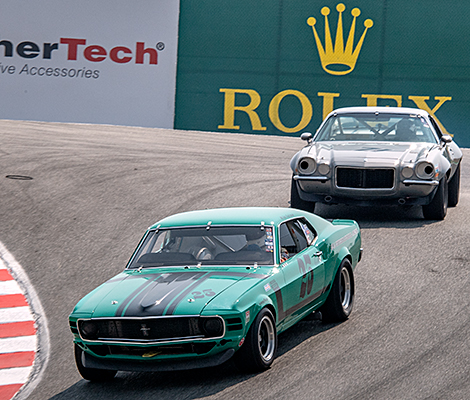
(323, 190)
(90, 361)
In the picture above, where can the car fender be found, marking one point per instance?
(293, 161)
(251, 308)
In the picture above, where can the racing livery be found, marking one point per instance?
(205, 286)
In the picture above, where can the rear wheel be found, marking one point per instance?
(437, 208)
(339, 304)
(454, 188)
(297, 202)
(91, 374)
(258, 352)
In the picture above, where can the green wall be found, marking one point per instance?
(233, 54)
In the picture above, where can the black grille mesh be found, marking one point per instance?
(367, 178)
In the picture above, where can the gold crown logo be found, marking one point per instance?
(339, 60)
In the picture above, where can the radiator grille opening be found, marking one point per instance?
(367, 178)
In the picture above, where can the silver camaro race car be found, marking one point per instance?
(378, 156)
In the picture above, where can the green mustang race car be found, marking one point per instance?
(204, 286)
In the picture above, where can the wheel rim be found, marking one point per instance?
(266, 339)
(345, 288)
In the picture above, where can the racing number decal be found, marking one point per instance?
(307, 276)
(207, 292)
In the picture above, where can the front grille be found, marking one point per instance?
(151, 329)
(152, 351)
(367, 178)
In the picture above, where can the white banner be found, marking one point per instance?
(105, 62)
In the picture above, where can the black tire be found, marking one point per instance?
(259, 349)
(297, 202)
(454, 188)
(437, 209)
(339, 304)
(91, 374)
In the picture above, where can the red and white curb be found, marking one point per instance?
(19, 326)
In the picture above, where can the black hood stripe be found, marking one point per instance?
(123, 305)
(165, 291)
(155, 297)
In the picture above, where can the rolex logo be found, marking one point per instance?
(339, 59)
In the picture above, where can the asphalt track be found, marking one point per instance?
(95, 189)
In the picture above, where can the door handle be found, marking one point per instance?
(318, 254)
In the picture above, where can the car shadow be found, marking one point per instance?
(376, 217)
(190, 384)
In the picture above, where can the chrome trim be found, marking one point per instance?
(151, 342)
(311, 178)
(416, 182)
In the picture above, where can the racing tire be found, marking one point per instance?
(340, 301)
(259, 349)
(454, 188)
(437, 209)
(297, 202)
(91, 374)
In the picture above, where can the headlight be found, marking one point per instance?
(88, 329)
(212, 326)
(307, 165)
(407, 172)
(424, 170)
(324, 169)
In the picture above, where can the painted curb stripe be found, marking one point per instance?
(19, 359)
(17, 344)
(9, 287)
(14, 375)
(23, 328)
(15, 314)
(8, 391)
(5, 275)
(13, 300)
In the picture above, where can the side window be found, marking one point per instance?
(294, 238)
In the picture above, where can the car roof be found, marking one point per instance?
(385, 110)
(236, 216)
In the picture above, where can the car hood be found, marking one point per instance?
(162, 292)
(369, 153)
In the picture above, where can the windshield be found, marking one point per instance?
(228, 245)
(376, 127)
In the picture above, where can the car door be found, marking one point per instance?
(303, 267)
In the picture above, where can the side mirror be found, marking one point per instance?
(307, 136)
(446, 139)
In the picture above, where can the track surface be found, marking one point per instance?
(95, 189)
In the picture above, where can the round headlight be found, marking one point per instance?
(307, 165)
(213, 327)
(424, 170)
(407, 172)
(324, 169)
(88, 329)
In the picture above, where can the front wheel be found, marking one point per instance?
(258, 352)
(454, 188)
(297, 202)
(437, 208)
(91, 374)
(339, 304)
